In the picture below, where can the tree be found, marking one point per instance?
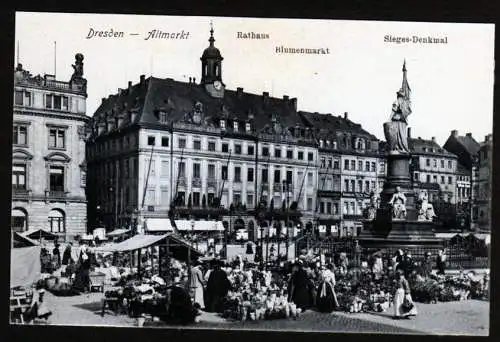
(204, 201)
(190, 202)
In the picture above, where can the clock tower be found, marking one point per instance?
(211, 69)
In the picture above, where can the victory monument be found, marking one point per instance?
(402, 218)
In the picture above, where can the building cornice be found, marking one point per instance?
(66, 115)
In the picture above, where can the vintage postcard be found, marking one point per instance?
(251, 173)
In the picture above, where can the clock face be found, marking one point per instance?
(217, 85)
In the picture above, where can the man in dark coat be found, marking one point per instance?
(299, 288)
(66, 255)
(218, 285)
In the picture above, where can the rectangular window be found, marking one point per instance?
(150, 167)
(277, 153)
(300, 155)
(248, 127)
(373, 185)
(19, 176)
(211, 171)
(237, 149)
(57, 102)
(196, 199)
(434, 163)
(164, 141)
(181, 143)
(373, 166)
(450, 180)
(336, 165)
(434, 178)
(250, 150)
(18, 98)
(310, 179)
(265, 176)
(223, 124)
(48, 101)
(330, 164)
(151, 141)
(427, 162)
(56, 178)
(289, 154)
(235, 126)
(442, 163)
(277, 176)
(415, 178)
(250, 200)
(346, 164)
(360, 165)
(289, 176)
(428, 178)
(211, 146)
(367, 186)
(150, 197)
(164, 198)
(20, 135)
(367, 166)
(225, 148)
(164, 168)
(309, 203)
(321, 207)
(182, 169)
(328, 207)
(57, 137)
(224, 172)
(237, 174)
(250, 174)
(442, 179)
(449, 164)
(197, 145)
(353, 185)
(265, 151)
(353, 165)
(323, 162)
(346, 185)
(360, 186)
(196, 170)
(310, 156)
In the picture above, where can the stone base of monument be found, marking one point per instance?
(417, 237)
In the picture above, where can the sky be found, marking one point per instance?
(452, 84)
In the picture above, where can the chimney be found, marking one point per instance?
(265, 94)
(409, 132)
(346, 116)
(194, 79)
(285, 97)
(103, 99)
(129, 86)
(142, 79)
(454, 133)
(487, 138)
(294, 103)
(190, 80)
(239, 91)
(469, 135)
(433, 139)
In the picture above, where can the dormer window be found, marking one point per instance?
(235, 126)
(335, 145)
(222, 124)
(248, 127)
(321, 143)
(328, 143)
(424, 149)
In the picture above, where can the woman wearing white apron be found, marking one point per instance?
(403, 303)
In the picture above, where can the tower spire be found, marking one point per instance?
(211, 40)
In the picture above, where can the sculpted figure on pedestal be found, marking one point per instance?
(398, 203)
(426, 209)
(374, 204)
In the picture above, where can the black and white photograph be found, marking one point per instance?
(209, 172)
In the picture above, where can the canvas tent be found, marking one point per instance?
(40, 234)
(18, 240)
(25, 266)
(176, 245)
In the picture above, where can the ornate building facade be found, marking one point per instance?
(48, 156)
(351, 170)
(163, 147)
(484, 194)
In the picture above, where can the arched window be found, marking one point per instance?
(19, 220)
(57, 222)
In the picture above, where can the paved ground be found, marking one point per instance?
(453, 318)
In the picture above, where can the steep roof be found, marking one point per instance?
(428, 147)
(326, 124)
(469, 143)
(179, 98)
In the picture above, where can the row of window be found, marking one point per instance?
(435, 163)
(350, 185)
(351, 165)
(57, 136)
(434, 178)
(56, 218)
(56, 177)
(326, 208)
(52, 101)
(182, 143)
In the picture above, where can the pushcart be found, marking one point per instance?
(97, 281)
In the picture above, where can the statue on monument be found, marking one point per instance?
(374, 205)
(426, 209)
(78, 66)
(398, 203)
(396, 132)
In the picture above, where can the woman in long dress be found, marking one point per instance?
(326, 299)
(402, 296)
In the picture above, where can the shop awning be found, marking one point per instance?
(25, 266)
(23, 241)
(177, 246)
(118, 232)
(164, 225)
(40, 234)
